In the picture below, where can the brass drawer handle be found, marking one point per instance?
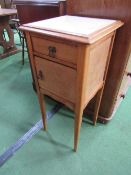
(52, 51)
(40, 75)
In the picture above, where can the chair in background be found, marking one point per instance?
(16, 23)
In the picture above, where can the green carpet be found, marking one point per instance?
(103, 150)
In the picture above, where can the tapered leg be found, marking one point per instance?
(97, 104)
(23, 51)
(43, 110)
(78, 121)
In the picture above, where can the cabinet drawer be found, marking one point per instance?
(55, 50)
(56, 78)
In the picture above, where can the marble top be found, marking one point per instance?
(74, 25)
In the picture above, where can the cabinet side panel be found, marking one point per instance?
(96, 68)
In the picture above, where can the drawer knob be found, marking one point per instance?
(40, 75)
(52, 51)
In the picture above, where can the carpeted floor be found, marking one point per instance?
(104, 149)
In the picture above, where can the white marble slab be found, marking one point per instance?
(80, 26)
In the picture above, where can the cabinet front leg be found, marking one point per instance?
(43, 110)
(78, 122)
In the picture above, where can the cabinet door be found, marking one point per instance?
(58, 79)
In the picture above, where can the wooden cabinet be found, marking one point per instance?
(35, 10)
(70, 63)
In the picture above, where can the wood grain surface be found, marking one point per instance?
(113, 9)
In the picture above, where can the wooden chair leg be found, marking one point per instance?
(19, 33)
(78, 122)
(97, 104)
(43, 110)
(23, 52)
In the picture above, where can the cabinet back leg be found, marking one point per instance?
(97, 104)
